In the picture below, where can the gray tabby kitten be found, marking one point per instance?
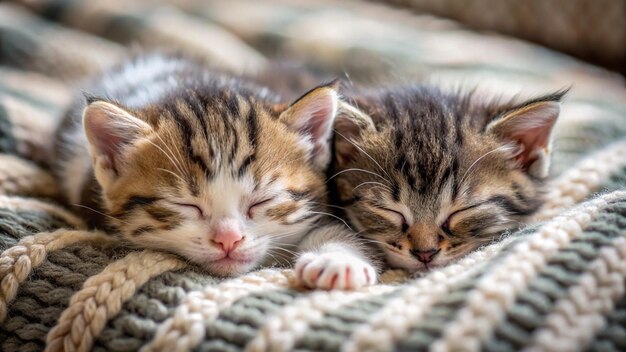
(430, 176)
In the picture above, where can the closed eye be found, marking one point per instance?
(405, 225)
(190, 206)
(445, 226)
(257, 205)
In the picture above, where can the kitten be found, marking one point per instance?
(430, 176)
(180, 158)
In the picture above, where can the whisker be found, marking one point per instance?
(364, 152)
(404, 163)
(347, 75)
(179, 153)
(101, 213)
(167, 155)
(286, 262)
(352, 100)
(482, 157)
(285, 250)
(284, 234)
(280, 247)
(327, 205)
(372, 182)
(273, 257)
(360, 232)
(333, 216)
(356, 169)
(289, 244)
(172, 173)
(374, 241)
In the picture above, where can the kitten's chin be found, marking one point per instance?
(228, 266)
(398, 261)
(411, 265)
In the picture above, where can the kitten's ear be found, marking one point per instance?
(349, 125)
(529, 126)
(109, 130)
(313, 115)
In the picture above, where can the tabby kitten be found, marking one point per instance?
(430, 176)
(209, 166)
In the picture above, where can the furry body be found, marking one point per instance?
(177, 157)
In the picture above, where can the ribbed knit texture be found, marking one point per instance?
(558, 284)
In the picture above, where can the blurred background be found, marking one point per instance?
(594, 31)
(502, 46)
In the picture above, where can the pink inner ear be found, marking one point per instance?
(529, 142)
(109, 129)
(107, 142)
(318, 124)
(312, 116)
(315, 117)
(530, 128)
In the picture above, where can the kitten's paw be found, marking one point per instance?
(334, 270)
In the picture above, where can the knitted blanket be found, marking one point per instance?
(556, 285)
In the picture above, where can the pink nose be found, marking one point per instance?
(228, 239)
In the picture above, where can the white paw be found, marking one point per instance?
(334, 270)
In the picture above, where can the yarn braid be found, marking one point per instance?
(586, 177)
(280, 334)
(495, 291)
(420, 295)
(185, 329)
(102, 297)
(17, 262)
(581, 314)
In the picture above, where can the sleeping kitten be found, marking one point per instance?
(430, 176)
(179, 158)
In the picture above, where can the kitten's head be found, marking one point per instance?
(217, 177)
(431, 176)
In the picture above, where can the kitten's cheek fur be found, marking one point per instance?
(243, 260)
(201, 252)
(228, 270)
(334, 270)
(401, 262)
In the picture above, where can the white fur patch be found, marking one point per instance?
(334, 270)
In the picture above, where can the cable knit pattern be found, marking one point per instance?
(420, 295)
(280, 333)
(185, 329)
(613, 335)
(17, 262)
(496, 290)
(580, 315)
(555, 284)
(102, 297)
(583, 179)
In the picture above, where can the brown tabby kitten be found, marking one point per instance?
(430, 176)
(206, 165)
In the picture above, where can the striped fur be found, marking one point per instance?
(180, 153)
(430, 176)
(555, 286)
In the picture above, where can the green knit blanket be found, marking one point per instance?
(556, 285)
